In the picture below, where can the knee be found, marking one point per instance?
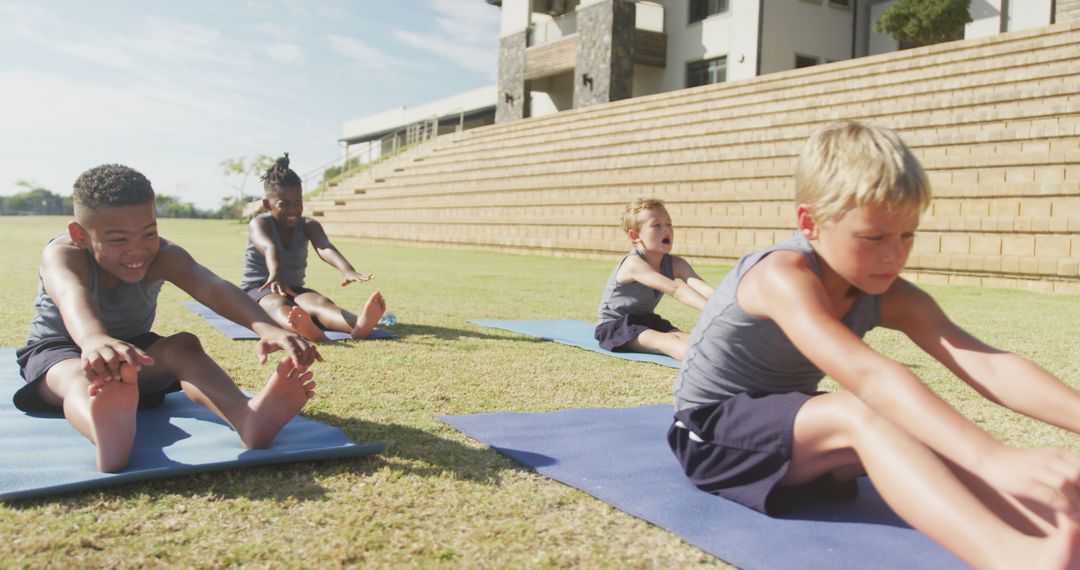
(183, 343)
(678, 351)
(274, 302)
(861, 422)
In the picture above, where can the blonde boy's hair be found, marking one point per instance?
(850, 165)
(632, 215)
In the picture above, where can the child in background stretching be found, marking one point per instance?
(636, 285)
(751, 426)
(90, 352)
(275, 263)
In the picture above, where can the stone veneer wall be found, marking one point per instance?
(605, 53)
(995, 122)
(510, 104)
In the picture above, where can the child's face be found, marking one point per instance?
(656, 233)
(868, 246)
(123, 239)
(286, 205)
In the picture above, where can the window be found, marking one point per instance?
(706, 72)
(802, 60)
(701, 9)
(845, 3)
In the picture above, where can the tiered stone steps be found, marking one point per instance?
(995, 121)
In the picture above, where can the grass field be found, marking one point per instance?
(434, 497)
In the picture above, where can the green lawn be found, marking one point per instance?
(433, 497)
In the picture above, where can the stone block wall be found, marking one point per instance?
(605, 53)
(511, 101)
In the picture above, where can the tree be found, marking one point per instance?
(925, 22)
(243, 167)
(37, 201)
(171, 207)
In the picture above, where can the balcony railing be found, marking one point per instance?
(547, 31)
(649, 16)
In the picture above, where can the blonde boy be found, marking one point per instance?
(751, 426)
(627, 322)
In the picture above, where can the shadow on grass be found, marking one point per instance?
(409, 451)
(448, 333)
(413, 451)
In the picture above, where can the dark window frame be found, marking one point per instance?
(706, 71)
(704, 9)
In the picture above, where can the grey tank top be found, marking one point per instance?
(733, 352)
(293, 259)
(126, 311)
(633, 298)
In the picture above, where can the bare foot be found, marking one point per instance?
(370, 316)
(279, 401)
(112, 420)
(300, 321)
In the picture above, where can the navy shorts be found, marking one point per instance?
(36, 358)
(254, 292)
(615, 334)
(745, 449)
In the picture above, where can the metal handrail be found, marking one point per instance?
(416, 132)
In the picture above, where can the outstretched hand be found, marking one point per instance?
(300, 351)
(354, 277)
(1050, 476)
(277, 285)
(106, 359)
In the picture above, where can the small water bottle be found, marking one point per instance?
(387, 320)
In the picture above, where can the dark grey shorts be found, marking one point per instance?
(254, 292)
(742, 447)
(36, 358)
(615, 334)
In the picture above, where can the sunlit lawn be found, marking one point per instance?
(433, 497)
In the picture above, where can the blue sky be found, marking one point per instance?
(173, 88)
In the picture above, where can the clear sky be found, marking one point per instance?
(173, 88)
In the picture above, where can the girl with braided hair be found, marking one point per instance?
(275, 263)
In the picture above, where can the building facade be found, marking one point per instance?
(561, 54)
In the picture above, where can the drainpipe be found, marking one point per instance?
(760, 31)
(854, 25)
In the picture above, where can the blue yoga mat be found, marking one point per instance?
(621, 457)
(240, 332)
(44, 455)
(573, 333)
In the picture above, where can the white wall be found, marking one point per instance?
(648, 80)
(878, 42)
(649, 15)
(551, 94)
(985, 19)
(1025, 14)
(732, 34)
(515, 17)
(1022, 14)
(808, 27)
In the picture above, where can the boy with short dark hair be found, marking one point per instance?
(751, 426)
(90, 352)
